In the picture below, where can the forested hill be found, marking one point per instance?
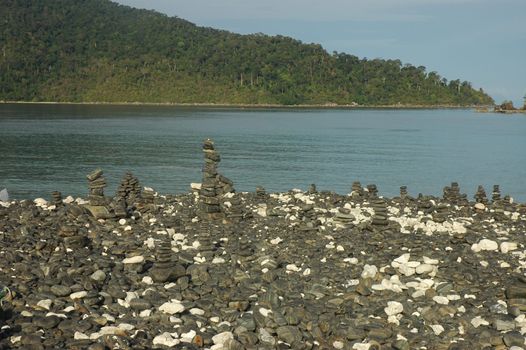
(99, 51)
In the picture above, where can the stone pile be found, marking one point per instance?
(495, 196)
(480, 195)
(356, 189)
(372, 191)
(206, 241)
(72, 237)
(380, 217)
(236, 211)
(261, 193)
(452, 194)
(312, 189)
(129, 189)
(440, 213)
(96, 184)
(211, 187)
(56, 198)
(308, 218)
(403, 192)
(164, 268)
(344, 217)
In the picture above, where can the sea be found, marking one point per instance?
(52, 147)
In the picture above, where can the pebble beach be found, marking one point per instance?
(305, 269)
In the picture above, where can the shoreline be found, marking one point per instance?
(246, 106)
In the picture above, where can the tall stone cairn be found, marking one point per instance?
(495, 196)
(128, 192)
(372, 191)
(213, 185)
(356, 190)
(96, 184)
(480, 195)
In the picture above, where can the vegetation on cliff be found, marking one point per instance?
(96, 50)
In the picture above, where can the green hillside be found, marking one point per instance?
(99, 51)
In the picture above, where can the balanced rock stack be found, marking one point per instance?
(261, 193)
(356, 190)
(452, 193)
(211, 186)
(164, 269)
(403, 192)
(73, 239)
(380, 217)
(495, 196)
(57, 198)
(96, 184)
(344, 217)
(236, 212)
(441, 212)
(308, 218)
(225, 185)
(372, 191)
(480, 195)
(312, 189)
(129, 189)
(206, 242)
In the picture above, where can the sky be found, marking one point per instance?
(481, 41)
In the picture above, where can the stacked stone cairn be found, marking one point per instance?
(213, 184)
(380, 217)
(356, 190)
(206, 243)
(480, 195)
(236, 211)
(128, 192)
(96, 184)
(372, 191)
(403, 192)
(72, 237)
(164, 268)
(495, 196)
(441, 211)
(308, 218)
(312, 189)
(57, 198)
(344, 217)
(261, 193)
(452, 193)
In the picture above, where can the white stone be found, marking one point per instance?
(507, 247)
(352, 261)
(361, 346)
(68, 200)
(188, 336)
(293, 267)
(80, 336)
(264, 312)
(393, 308)
(173, 307)
(402, 259)
(479, 321)
(340, 248)
(369, 271)
(78, 295)
(195, 186)
(197, 311)
(306, 272)
(40, 202)
(276, 240)
(122, 222)
(485, 244)
(26, 313)
(45, 304)
(165, 339)
(145, 313)
(338, 344)
(406, 270)
(218, 260)
(424, 269)
(430, 261)
(480, 206)
(441, 300)
(134, 260)
(437, 329)
(147, 280)
(221, 338)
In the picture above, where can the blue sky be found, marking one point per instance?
(481, 41)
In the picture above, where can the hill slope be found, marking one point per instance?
(96, 50)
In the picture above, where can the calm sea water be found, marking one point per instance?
(52, 147)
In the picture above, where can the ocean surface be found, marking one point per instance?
(44, 148)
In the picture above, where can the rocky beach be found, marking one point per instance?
(304, 269)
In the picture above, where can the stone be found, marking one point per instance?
(98, 276)
(393, 308)
(513, 338)
(289, 334)
(173, 307)
(222, 338)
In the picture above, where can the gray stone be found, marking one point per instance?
(98, 276)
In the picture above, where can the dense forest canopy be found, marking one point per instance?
(99, 51)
